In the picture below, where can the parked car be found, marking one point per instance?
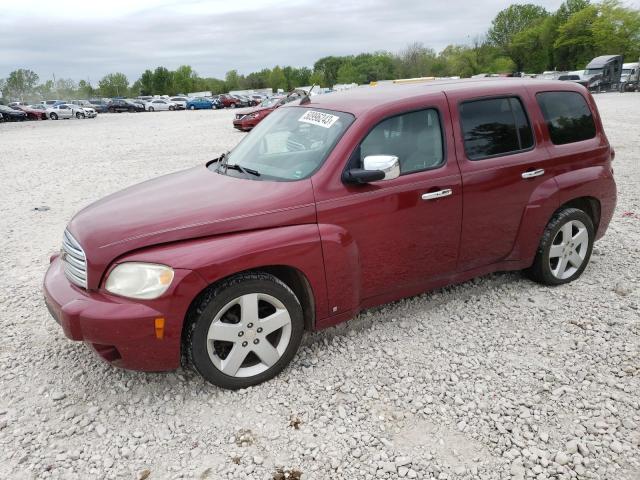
(159, 104)
(181, 102)
(18, 104)
(233, 101)
(1, 118)
(99, 106)
(89, 112)
(51, 103)
(603, 73)
(248, 119)
(63, 110)
(140, 103)
(33, 112)
(12, 115)
(198, 103)
(121, 105)
(341, 203)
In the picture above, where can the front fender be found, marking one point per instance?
(215, 258)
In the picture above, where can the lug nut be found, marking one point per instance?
(244, 344)
(259, 329)
(240, 333)
(250, 325)
(256, 341)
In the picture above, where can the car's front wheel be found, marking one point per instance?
(79, 115)
(565, 248)
(53, 116)
(192, 107)
(244, 331)
(172, 108)
(151, 109)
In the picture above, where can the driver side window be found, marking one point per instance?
(415, 138)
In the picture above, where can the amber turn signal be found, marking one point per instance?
(159, 327)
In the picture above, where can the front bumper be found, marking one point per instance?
(122, 331)
(245, 124)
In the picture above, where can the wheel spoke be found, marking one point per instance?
(226, 332)
(249, 308)
(266, 352)
(581, 237)
(560, 269)
(274, 322)
(567, 232)
(556, 251)
(236, 356)
(575, 259)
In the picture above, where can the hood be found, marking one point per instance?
(188, 204)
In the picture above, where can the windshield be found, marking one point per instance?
(290, 144)
(269, 102)
(592, 71)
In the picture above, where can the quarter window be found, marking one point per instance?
(415, 138)
(567, 115)
(495, 126)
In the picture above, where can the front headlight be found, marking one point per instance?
(139, 280)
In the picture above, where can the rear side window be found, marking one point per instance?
(495, 126)
(567, 116)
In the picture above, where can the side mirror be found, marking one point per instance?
(376, 167)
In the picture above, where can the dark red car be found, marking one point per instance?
(34, 112)
(341, 203)
(248, 119)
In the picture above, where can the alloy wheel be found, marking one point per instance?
(249, 335)
(568, 249)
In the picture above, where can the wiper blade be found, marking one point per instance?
(222, 160)
(246, 171)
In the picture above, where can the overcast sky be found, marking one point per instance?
(85, 39)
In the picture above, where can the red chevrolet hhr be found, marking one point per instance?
(340, 203)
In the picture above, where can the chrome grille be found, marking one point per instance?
(74, 260)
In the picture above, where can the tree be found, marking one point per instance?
(183, 79)
(20, 83)
(511, 21)
(277, 79)
(146, 83)
(575, 44)
(232, 80)
(347, 73)
(328, 67)
(85, 89)
(616, 30)
(415, 61)
(162, 81)
(113, 85)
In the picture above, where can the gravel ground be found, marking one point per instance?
(498, 378)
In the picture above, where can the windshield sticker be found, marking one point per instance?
(321, 119)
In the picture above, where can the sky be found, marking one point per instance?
(86, 39)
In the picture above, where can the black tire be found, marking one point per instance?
(151, 109)
(541, 270)
(79, 115)
(172, 108)
(192, 107)
(209, 305)
(53, 116)
(233, 105)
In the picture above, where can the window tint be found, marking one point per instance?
(495, 126)
(415, 138)
(568, 117)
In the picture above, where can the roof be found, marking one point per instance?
(364, 98)
(602, 60)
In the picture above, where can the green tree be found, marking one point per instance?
(575, 44)
(616, 30)
(277, 79)
(20, 83)
(146, 83)
(511, 21)
(162, 81)
(85, 90)
(232, 80)
(328, 67)
(113, 85)
(348, 73)
(183, 79)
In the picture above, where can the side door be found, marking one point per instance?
(395, 235)
(502, 161)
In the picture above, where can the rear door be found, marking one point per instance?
(502, 163)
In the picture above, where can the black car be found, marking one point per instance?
(11, 115)
(99, 106)
(120, 105)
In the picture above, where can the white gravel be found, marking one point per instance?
(497, 378)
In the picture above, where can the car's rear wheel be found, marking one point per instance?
(233, 105)
(53, 116)
(244, 331)
(565, 248)
(151, 109)
(192, 107)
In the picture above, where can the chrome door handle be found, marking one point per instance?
(439, 194)
(533, 173)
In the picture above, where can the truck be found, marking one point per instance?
(603, 73)
(630, 77)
